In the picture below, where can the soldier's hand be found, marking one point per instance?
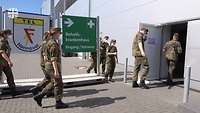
(143, 54)
(56, 74)
(10, 64)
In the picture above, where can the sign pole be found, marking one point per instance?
(87, 54)
(98, 46)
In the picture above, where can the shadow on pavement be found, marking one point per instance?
(95, 102)
(21, 92)
(92, 102)
(78, 93)
(164, 84)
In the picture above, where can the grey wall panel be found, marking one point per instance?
(152, 48)
(165, 37)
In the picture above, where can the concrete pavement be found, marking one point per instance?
(105, 98)
(117, 97)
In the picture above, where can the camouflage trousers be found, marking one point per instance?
(93, 65)
(141, 66)
(9, 75)
(110, 67)
(55, 84)
(103, 63)
(171, 68)
(45, 81)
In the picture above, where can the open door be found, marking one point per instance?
(153, 49)
(192, 57)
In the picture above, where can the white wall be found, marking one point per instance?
(120, 19)
(193, 52)
(9, 25)
(26, 64)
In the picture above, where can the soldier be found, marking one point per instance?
(111, 61)
(5, 61)
(103, 45)
(141, 61)
(171, 50)
(43, 58)
(94, 62)
(53, 69)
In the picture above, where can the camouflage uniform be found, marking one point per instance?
(140, 61)
(47, 78)
(110, 62)
(94, 63)
(103, 46)
(53, 54)
(171, 50)
(4, 66)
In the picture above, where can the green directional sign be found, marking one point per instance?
(79, 34)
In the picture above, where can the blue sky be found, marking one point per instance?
(32, 6)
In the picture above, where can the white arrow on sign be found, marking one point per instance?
(69, 22)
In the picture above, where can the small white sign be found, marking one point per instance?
(13, 12)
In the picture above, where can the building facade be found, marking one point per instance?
(122, 19)
(46, 7)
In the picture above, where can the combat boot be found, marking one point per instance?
(170, 83)
(111, 80)
(135, 84)
(106, 79)
(38, 98)
(34, 90)
(143, 85)
(13, 92)
(88, 71)
(61, 105)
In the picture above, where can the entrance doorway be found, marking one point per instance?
(158, 36)
(182, 30)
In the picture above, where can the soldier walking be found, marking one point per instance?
(171, 51)
(43, 58)
(141, 61)
(53, 69)
(103, 46)
(94, 63)
(5, 61)
(111, 61)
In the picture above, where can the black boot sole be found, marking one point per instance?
(62, 106)
(38, 101)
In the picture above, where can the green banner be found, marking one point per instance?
(79, 34)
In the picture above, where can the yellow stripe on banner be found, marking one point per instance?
(29, 21)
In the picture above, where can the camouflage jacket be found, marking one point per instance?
(135, 46)
(103, 47)
(42, 52)
(4, 47)
(111, 49)
(53, 53)
(172, 49)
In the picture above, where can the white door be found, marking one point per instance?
(153, 50)
(193, 52)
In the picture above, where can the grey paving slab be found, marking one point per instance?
(103, 98)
